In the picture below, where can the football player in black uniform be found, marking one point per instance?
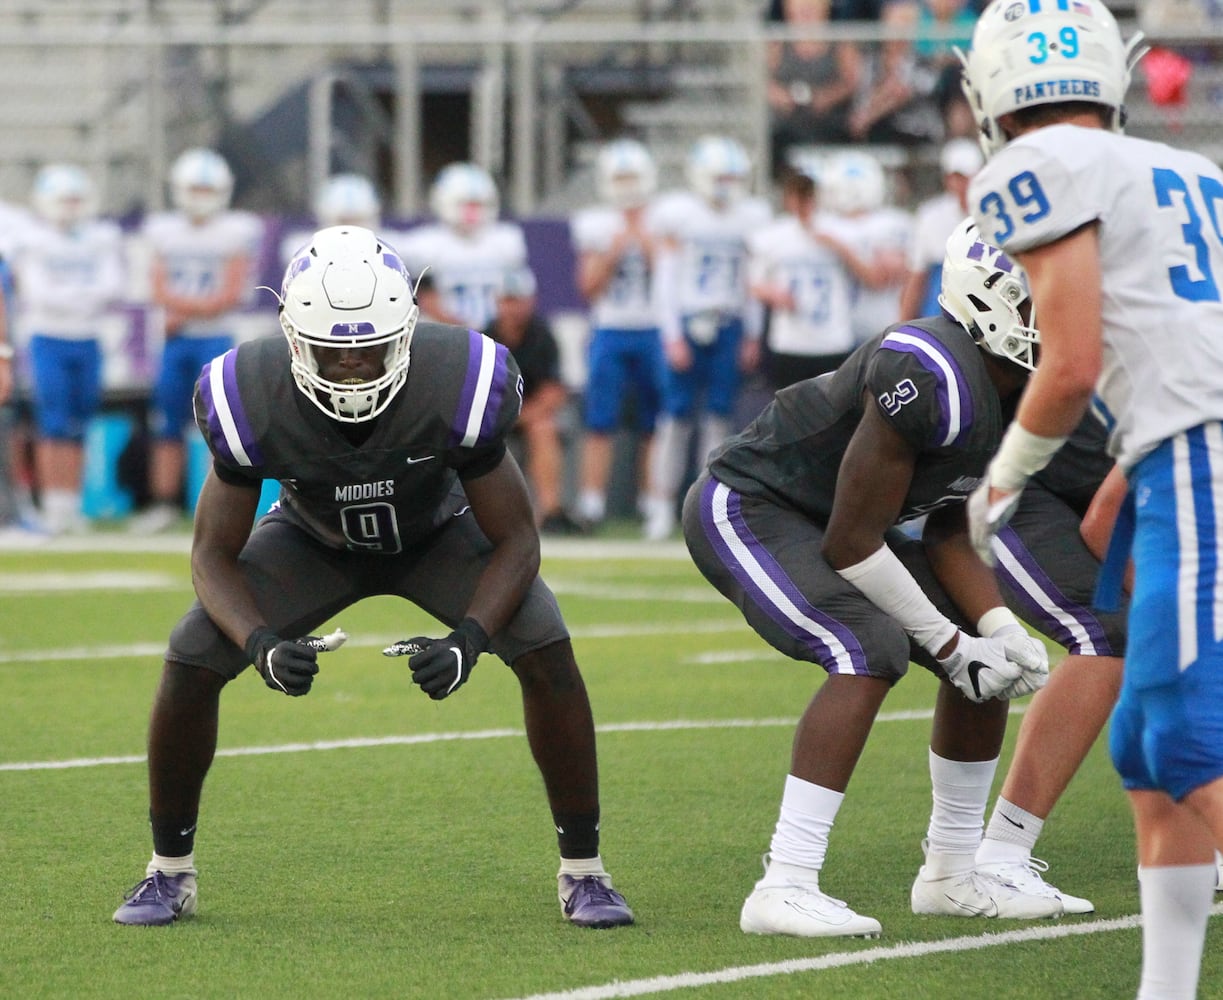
(388, 439)
(795, 521)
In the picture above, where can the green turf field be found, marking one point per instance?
(366, 842)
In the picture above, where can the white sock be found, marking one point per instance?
(714, 430)
(960, 791)
(807, 813)
(580, 867)
(1011, 834)
(61, 510)
(669, 459)
(592, 505)
(172, 866)
(1175, 908)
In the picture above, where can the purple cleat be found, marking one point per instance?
(159, 900)
(590, 901)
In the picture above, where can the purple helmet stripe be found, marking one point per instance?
(830, 643)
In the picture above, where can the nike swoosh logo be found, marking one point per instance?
(423, 458)
(974, 669)
(458, 669)
(1011, 821)
(976, 911)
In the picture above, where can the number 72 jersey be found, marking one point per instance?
(1160, 216)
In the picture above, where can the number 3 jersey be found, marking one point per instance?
(928, 380)
(394, 488)
(1160, 212)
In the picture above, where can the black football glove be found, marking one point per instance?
(441, 666)
(289, 665)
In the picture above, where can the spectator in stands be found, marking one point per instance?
(68, 269)
(812, 83)
(711, 326)
(936, 218)
(529, 338)
(615, 257)
(805, 278)
(13, 220)
(466, 251)
(914, 95)
(343, 200)
(203, 253)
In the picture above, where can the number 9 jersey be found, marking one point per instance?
(1161, 253)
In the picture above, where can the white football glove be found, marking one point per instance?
(982, 668)
(1031, 655)
(985, 520)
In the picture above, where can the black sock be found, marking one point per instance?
(577, 834)
(173, 837)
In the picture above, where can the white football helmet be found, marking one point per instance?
(346, 288)
(64, 195)
(626, 173)
(1025, 53)
(348, 200)
(464, 197)
(201, 183)
(718, 169)
(852, 183)
(985, 292)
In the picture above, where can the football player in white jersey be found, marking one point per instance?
(203, 253)
(710, 324)
(466, 252)
(1121, 242)
(343, 200)
(68, 268)
(853, 193)
(615, 247)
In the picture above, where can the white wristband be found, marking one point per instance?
(1021, 455)
(6, 352)
(882, 577)
(994, 619)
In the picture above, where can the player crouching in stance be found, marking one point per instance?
(388, 439)
(795, 520)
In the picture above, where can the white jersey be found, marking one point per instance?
(1161, 254)
(786, 253)
(883, 232)
(934, 221)
(625, 303)
(65, 281)
(196, 257)
(711, 264)
(466, 270)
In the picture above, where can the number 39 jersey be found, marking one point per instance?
(928, 380)
(381, 495)
(1160, 215)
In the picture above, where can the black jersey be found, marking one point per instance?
(1079, 466)
(462, 396)
(928, 380)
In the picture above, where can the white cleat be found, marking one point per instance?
(1023, 881)
(800, 909)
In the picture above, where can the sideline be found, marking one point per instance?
(840, 960)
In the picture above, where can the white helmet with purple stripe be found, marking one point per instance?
(347, 288)
(987, 293)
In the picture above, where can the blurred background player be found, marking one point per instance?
(343, 200)
(202, 259)
(68, 269)
(855, 209)
(804, 277)
(936, 218)
(615, 247)
(530, 339)
(466, 251)
(710, 324)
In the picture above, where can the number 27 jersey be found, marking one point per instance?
(1160, 216)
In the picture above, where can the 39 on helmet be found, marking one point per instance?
(464, 196)
(626, 175)
(63, 194)
(1030, 52)
(347, 288)
(987, 293)
(718, 169)
(201, 183)
(852, 182)
(348, 200)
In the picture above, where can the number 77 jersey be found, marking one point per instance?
(1160, 216)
